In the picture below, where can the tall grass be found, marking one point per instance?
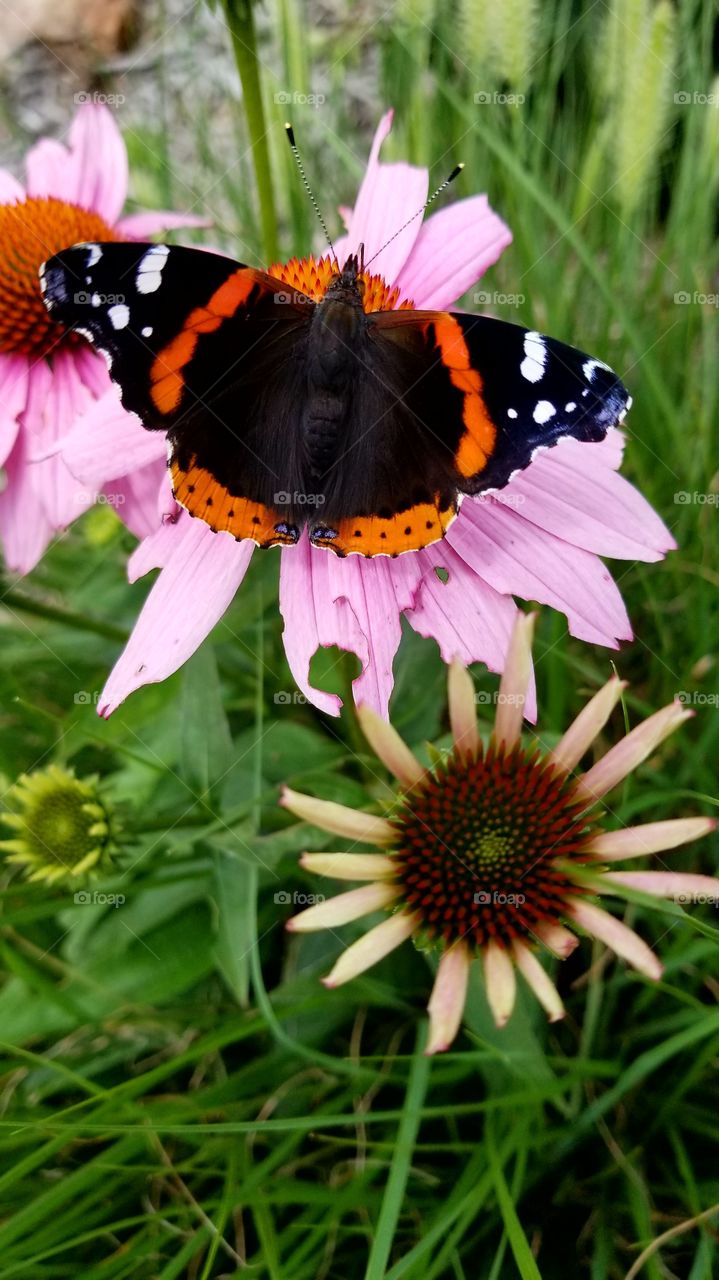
(180, 1097)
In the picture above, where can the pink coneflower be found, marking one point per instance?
(494, 851)
(540, 538)
(47, 378)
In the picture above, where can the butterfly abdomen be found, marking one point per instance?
(336, 335)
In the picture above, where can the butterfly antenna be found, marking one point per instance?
(293, 147)
(442, 187)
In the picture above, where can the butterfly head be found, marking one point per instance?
(348, 284)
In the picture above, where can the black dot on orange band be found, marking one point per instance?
(190, 488)
(408, 530)
(208, 502)
(230, 515)
(429, 524)
(256, 520)
(358, 533)
(383, 535)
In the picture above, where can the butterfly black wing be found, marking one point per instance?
(209, 351)
(444, 405)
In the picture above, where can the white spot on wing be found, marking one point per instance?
(569, 408)
(147, 331)
(543, 411)
(94, 253)
(589, 368)
(535, 357)
(119, 316)
(149, 272)
(511, 413)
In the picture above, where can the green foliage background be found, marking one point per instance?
(179, 1094)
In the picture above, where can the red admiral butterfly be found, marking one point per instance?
(367, 426)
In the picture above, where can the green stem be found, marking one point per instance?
(241, 26)
(52, 613)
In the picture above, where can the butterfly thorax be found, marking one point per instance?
(334, 348)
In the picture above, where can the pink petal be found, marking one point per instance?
(539, 981)
(615, 934)
(371, 948)
(621, 759)
(92, 172)
(140, 226)
(107, 440)
(500, 981)
(344, 907)
(568, 491)
(516, 557)
(682, 886)
(449, 993)
(650, 837)
(14, 384)
(10, 188)
(465, 615)
(453, 249)
(462, 706)
(25, 530)
(340, 819)
(588, 724)
(135, 498)
(353, 603)
(92, 370)
(388, 196)
(390, 748)
(62, 495)
(515, 682)
(556, 939)
(191, 594)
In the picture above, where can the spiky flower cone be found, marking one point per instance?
(494, 851)
(64, 831)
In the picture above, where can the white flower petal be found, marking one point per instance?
(539, 980)
(617, 936)
(371, 948)
(591, 720)
(338, 818)
(344, 907)
(500, 982)
(389, 747)
(350, 866)
(449, 993)
(462, 708)
(651, 837)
